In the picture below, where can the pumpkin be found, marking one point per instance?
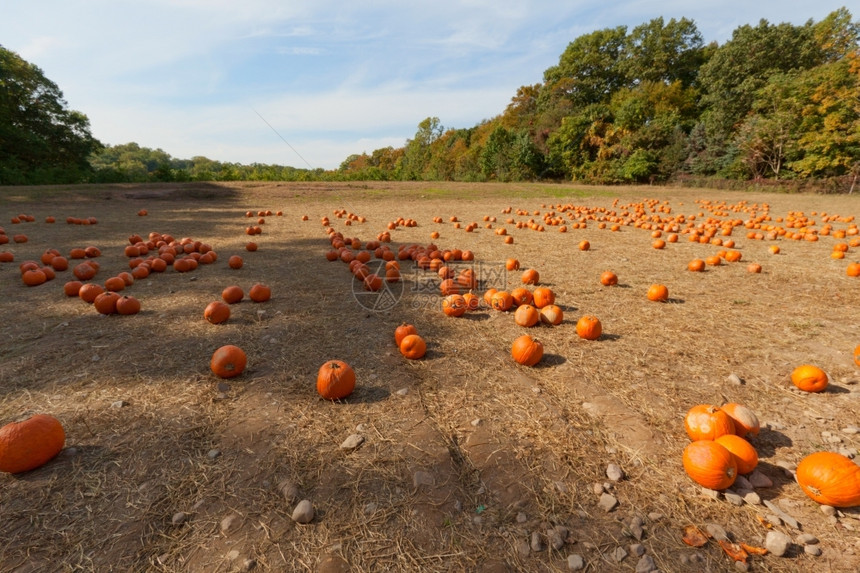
(543, 296)
(232, 294)
(488, 296)
(746, 457)
(584, 245)
(216, 312)
(696, 265)
(228, 361)
(753, 268)
(830, 479)
(473, 301)
(127, 305)
(526, 350)
(744, 419)
(857, 355)
(589, 327)
(260, 293)
(72, 288)
(512, 265)
(403, 331)
(413, 346)
(34, 277)
(710, 464)
(114, 284)
(454, 305)
(551, 314)
(235, 262)
(530, 277)
(522, 295)
(810, 378)
(105, 303)
(658, 293)
(502, 300)
(90, 291)
(707, 422)
(449, 286)
(335, 380)
(526, 315)
(31, 443)
(608, 278)
(853, 270)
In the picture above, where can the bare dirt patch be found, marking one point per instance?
(469, 461)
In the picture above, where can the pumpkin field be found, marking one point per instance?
(577, 365)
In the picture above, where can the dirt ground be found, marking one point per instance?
(469, 461)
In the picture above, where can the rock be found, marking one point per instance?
(212, 454)
(476, 422)
(711, 493)
(637, 550)
(232, 555)
(619, 554)
(575, 562)
(716, 531)
(614, 472)
(422, 478)
(249, 564)
(597, 489)
(752, 498)
(655, 516)
(223, 387)
(230, 523)
(759, 480)
(179, 518)
(646, 565)
(352, 442)
(777, 542)
(119, 404)
(607, 502)
(742, 483)
(557, 537)
(786, 518)
(806, 539)
(636, 531)
(370, 508)
(402, 392)
(788, 468)
(733, 498)
(304, 512)
(331, 563)
(734, 379)
(742, 566)
(523, 548)
(813, 550)
(536, 544)
(828, 510)
(850, 430)
(289, 490)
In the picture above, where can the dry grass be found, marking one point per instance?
(511, 450)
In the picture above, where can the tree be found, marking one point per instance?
(659, 52)
(417, 152)
(41, 141)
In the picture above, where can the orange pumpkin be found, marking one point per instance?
(232, 294)
(216, 312)
(551, 314)
(235, 262)
(413, 346)
(127, 305)
(608, 278)
(754, 268)
(512, 265)
(502, 300)
(543, 296)
(454, 305)
(584, 245)
(403, 331)
(707, 422)
(744, 419)
(473, 301)
(526, 315)
(658, 293)
(530, 277)
(696, 265)
(526, 350)
(260, 293)
(857, 355)
(830, 479)
(810, 378)
(522, 295)
(31, 443)
(709, 464)
(335, 380)
(228, 361)
(589, 327)
(105, 303)
(746, 457)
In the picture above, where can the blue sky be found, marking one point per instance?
(332, 78)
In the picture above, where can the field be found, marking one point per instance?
(469, 461)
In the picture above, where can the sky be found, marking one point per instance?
(308, 83)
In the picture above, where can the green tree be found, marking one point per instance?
(663, 52)
(417, 152)
(41, 141)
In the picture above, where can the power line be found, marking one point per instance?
(284, 140)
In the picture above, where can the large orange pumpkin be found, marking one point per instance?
(228, 361)
(589, 327)
(746, 456)
(543, 296)
(707, 422)
(709, 464)
(830, 478)
(413, 347)
(526, 350)
(335, 380)
(810, 378)
(31, 443)
(454, 305)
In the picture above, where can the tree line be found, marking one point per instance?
(775, 103)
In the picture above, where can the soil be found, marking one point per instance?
(469, 461)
